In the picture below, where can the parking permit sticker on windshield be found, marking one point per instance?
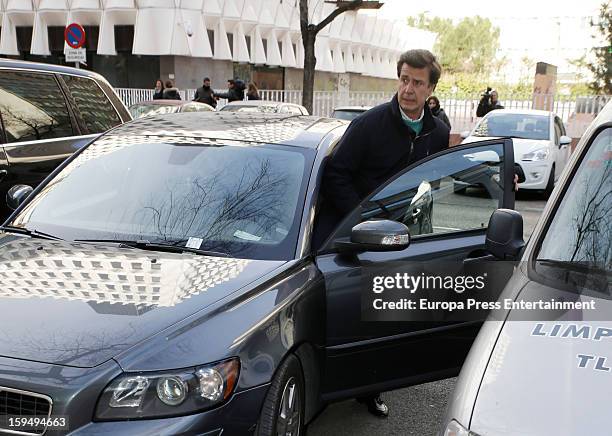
(194, 243)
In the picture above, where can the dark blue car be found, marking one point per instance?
(162, 280)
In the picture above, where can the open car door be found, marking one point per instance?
(446, 201)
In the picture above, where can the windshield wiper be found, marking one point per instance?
(32, 233)
(143, 244)
(578, 267)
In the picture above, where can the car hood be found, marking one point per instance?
(533, 384)
(521, 146)
(80, 304)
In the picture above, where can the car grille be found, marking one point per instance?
(20, 403)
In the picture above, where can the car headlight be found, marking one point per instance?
(168, 393)
(540, 154)
(455, 429)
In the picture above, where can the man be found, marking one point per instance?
(234, 92)
(377, 145)
(204, 94)
(488, 102)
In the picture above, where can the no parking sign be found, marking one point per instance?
(74, 35)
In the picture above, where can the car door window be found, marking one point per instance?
(453, 192)
(96, 110)
(294, 110)
(33, 107)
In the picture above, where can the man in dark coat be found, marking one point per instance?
(488, 102)
(235, 92)
(205, 94)
(377, 145)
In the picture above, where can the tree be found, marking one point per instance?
(466, 47)
(601, 66)
(309, 36)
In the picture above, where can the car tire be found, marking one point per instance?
(282, 412)
(550, 185)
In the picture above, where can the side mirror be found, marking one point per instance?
(505, 234)
(565, 140)
(17, 194)
(376, 235)
(465, 134)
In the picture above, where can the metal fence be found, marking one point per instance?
(576, 112)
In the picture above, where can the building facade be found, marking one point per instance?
(134, 42)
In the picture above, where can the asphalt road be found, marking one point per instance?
(417, 410)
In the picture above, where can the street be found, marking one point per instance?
(416, 410)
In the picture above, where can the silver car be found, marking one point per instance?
(550, 372)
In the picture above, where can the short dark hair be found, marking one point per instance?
(419, 58)
(206, 79)
(169, 84)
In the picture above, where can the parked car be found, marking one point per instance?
(48, 112)
(163, 280)
(349, 113)
(541, 145)
(549, 372)
(272, 107)
(160, 107)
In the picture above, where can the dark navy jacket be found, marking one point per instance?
(376, 145)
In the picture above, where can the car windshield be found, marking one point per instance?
(147, 110)
(241, 200)
(515, 125)
(346, 114)
(255, 108)
(580, 234)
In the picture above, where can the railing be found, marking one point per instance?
(576, 112)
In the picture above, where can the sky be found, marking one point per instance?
(545, 30)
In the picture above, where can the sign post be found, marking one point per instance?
(74, 35)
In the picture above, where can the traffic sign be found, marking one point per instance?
(74, 35)
(76, 55)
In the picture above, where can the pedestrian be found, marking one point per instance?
(235, 91)
(205, 94)
(377, 145)
(253, 92)
(434, 106)
(171, 93)
(488, 102)
(159, 90)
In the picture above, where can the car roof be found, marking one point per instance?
(260, 103)
(48, 68)
(520, 112)
(353, 108)
(229, 127)
(164, 102)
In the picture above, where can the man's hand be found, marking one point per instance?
(516, 179)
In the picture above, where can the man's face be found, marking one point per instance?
(207, 83)
(413, 89)
(230, 85)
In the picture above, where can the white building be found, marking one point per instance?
(134, 42)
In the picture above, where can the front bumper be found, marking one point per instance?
(536, 174)
(75, 392)
(236, 417)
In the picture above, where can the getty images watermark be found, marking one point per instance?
(455, 291)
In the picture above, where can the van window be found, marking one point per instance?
(33, 107)
(96, 110)
(580, 234)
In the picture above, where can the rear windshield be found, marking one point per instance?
(515, 125)
(147, 110)
(346, 115)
